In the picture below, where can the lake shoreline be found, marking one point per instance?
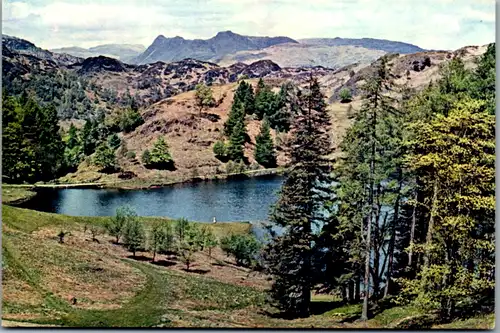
(143, 184)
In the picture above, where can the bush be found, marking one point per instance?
(146, 157)
(130, 119)
(105, 158)
(114, 141)
(220, 150)
(345, 95)
(244, 248)
(131, 155)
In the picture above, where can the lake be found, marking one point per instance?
(247, 199)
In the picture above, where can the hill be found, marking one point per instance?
(177, 48)
(384, 45)
(123, 52)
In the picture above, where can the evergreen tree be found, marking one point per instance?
(73, 139)
(299, 207)
(265, 154)
(114, 141)
(237, 114)
(280, 119)
(236, 142)
(159, 157)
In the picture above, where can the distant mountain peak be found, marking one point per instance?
(212, 49)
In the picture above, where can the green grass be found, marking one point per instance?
(16, 194)
(27, 220)
(164, 297)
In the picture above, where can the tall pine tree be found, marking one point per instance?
(299, 207)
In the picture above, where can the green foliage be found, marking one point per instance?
(33, 149)
(114, 141)
(115, 226)
(181, 226)
(235, 168)
(236, 142)
(128, 120)
(134, 236)
(73, 139)
(265, 154)
(301, 200)
(105, 158)
(146, 157)
(220, 150)
(345, 95)
(204, 96)
(236, 115)
(189, 244)
(209, 241)
(159, 157)
(160, 238)
(454, 157)
(245, 95)
(131, 155)
(244, 248)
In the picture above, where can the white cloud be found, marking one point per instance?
(437, 24)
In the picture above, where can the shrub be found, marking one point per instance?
(131, 155)
(130, 119)
(345, 95)
(220, 150)
(105, 158)
(146, 157)
(114, 141)
(244, 248)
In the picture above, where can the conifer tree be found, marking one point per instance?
(289, 256)
(265, 154)
(236, 115)
(237, 141)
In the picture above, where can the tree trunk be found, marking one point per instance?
(358, 289)
(364, 314)
(345, 294)
(430, 228)
(117, 239)
(393, 238)
(412, 230)
(154, 255)
(351, 291)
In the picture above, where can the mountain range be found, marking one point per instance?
(227, 47)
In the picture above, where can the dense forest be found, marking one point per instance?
(406, 215)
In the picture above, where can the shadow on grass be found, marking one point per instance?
(197, 271)
(139, 258)
(164, 263)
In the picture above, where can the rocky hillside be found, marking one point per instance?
(122, 52)
(306, 55)
(177, 48)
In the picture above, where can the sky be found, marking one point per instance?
(430, 24)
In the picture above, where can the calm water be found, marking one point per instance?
(228, 200)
